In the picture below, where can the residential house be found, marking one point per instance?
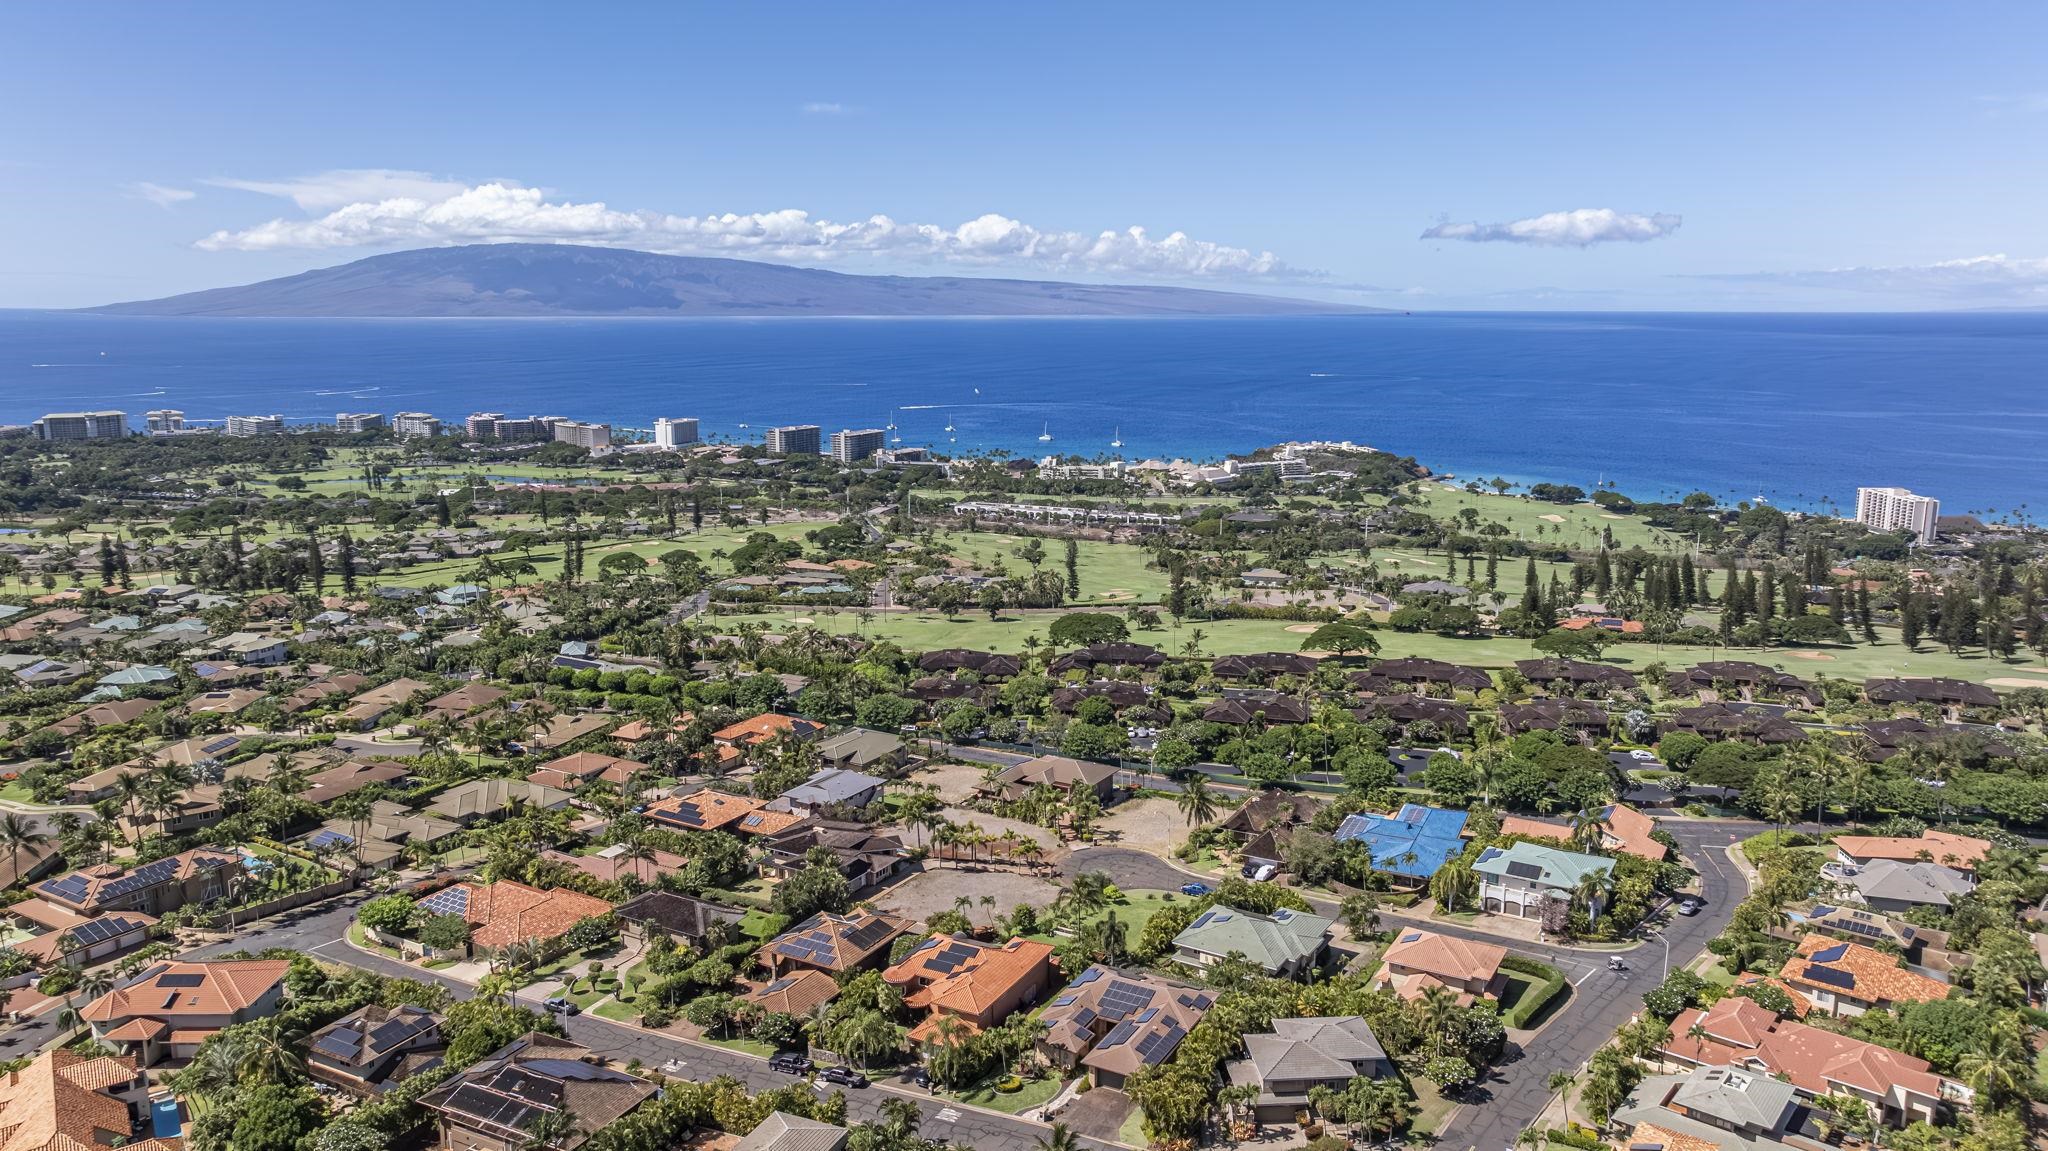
(1418, 960)
(374, 1048)
(1736, 1032)
(782, 1131)
(251, 649)
(1121, 694)
(684, 918)
(1959, 853)
(985, 665)
(1406, 710)
(1300, 1055)
(1521, 878)
(859, 749)
(1885, 738)
(496, 1103)
(1714, 1108)
(61, 1100)
(380, 840)
(798, 993)
(1740, 679)
(1571, 718)
(1058, 772)
(1239, 708)
(324, 787)
(1101, 656)
(978, 984)
(1115, 1023)
(320, 690)
(175, 1007)
(573, 771)
(1289, 944)
(832, 789)
(1622, 829)
(1262, 665)
(1891, 887)
(563, 730)
(459, 705)
(507, 911)
(1263, 578)
(1850, 979)
(866, 857)
(611, 865)
(228, 702)
(1575, 677)
(201, 875)
(1951, 696)
(706, 810)
(1423, 674)
(485, 799)
(763, 728)
(110, 714)
(1263, 824)
(368, 709)
(1410, 844)
(1734, 721)
(835, 943)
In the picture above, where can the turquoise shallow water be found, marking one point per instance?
(1796, 408)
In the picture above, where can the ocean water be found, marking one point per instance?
(1799, 409)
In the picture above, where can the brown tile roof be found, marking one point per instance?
(796, 994)
(58, 1103)
(1452, 959)
(835, 942)
(1741, 1033)
(1623, 829)
(702, 810)
(764, 727)
(222, 989)
(961, 977)
(571, 771)
(508, 911)
(93, 886)
(1827, 965)
(1960, 852)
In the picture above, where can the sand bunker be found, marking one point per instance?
(1303, 628)
(1553, 517)
(1611, 516)
(803, 619)
(2010, 681)
(1810, 655)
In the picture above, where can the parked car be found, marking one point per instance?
(919, 1076)
(791, 1063)
(1688, 906)
(1643, 753)
(1265, 872)
(1194, 889)
(844, 1076)
(561, 1006)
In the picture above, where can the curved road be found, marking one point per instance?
(1516, 1090)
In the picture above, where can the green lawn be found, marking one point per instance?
(1133, 1130)
(617, 1012)
(1035, 1092)
(1134, 912)
(1578, 526)
(1756, 845)
(1110, 573)
(762, 925)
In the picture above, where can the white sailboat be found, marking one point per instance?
(1118, 442)
(1045, 437)
(949, 425)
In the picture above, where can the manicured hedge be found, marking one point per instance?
(1550, 981)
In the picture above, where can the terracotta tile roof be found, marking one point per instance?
(172, 993)
(507, 911)
(1800, 1006)
(1453, 960)
(1647, 1133)
(58, 1103)
(139, 1028)
(704, 810)
(1960, 852)
(571, 771)
(961, 977)
(1740, 1033)
(797, 994)
(1830, 966)
(765, 822)
(764, 727)
(1622, 829)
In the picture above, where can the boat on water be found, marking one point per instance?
(1118, 442)
(1045, 437)
(949, 425)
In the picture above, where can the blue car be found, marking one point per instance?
(1194, 889)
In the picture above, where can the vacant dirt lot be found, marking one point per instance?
(934, 890)
(1146, 824)
(955, 781)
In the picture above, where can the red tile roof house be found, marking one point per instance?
(762, 728)
(1418, 960)
(978, 984)
(573, 771)
(1850, 979)
(1621, 829)
(1959, 853)
(509, 912)
(1736, 1032)
(171, 1011)
(64, 1101)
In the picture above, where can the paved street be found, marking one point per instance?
(1497, 1109)
(319, 932)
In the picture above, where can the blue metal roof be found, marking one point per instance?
(1413, 842)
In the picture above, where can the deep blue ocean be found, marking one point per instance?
(1797, 408)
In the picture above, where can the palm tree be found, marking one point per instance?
(549, 1130)
(271, 1053)
(1195, 803)
(16, 832)
(2001, 1071)
(1562, 1083)
(1436, 1003)
(1586, 827)
(1061, 1138)
(1590, 888)
(634, 851)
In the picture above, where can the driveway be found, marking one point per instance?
(1098, 1113)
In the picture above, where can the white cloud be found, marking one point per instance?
(824, 108)
(347, 186)
(159, 195)
(1580, 228)
(500, 212)
(1994, 279)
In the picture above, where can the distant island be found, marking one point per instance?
(515, 280)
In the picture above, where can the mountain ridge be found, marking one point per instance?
(539, 280)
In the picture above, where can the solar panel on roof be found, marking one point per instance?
(1831, 954)
(335, 1046)
(220, 745)
(181, 979)
(1084, 1017)
(1831, 976)
(71, 887)
(1119, 1034)
(1521, 870)
(1411, 937)
(1154, 1048)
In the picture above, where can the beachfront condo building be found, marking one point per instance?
(851, 447)
(415, 425)
(81, 426)
(164, 421)
(1896, 509)
(793, 440)
(592, 436)
(351, 423)
(670, 434)
(255, 425)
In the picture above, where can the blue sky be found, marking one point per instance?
(1729, 156)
